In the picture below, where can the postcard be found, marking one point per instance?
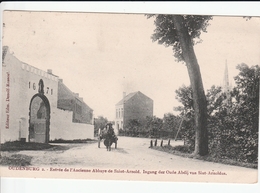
(130, 96)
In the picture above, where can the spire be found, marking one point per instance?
(226, 85)
(226, 80)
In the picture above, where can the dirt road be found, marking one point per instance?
(134, 154)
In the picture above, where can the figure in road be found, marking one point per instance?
(109, 137)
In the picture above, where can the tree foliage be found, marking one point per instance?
(100, 123)
(133, 127)
(233, 128)
(154, 126)
(184, 96)
(166, 34)
(245, 110)
(247, 90)
(171, 122)
(132, 124)
(215, 98)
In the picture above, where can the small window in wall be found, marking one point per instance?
(116, 113)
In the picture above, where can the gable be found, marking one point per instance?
(126, 98)
(131, 95)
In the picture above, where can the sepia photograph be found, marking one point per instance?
(130, 96)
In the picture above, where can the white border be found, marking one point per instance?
(249, 8)
(10, 185)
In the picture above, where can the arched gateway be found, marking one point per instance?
(39, 121)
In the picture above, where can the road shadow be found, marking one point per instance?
(119, 150)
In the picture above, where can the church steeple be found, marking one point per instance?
(226, 85)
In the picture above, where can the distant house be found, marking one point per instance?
(135, 105)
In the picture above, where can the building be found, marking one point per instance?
(135, 105)
(226, 86)
(69, 101)
(38, 107)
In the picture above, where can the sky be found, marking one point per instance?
(100, 56)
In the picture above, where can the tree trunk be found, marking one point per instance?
(199, 98)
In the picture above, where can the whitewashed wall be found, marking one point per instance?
(19, 85)
(62, 127)
(18, 79)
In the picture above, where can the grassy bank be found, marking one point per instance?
(19, 146)
(10, 159)
(15, 160)
(181, 151)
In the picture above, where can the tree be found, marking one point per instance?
(245, 110)
(184, 96)
(182, 32)
(215, 106)
(99, 123)
(154, 125)
(171, 124)
(232, 127)
(236, 133)
(133, 126)
(216, 100)
(247, 90)
(246, 94)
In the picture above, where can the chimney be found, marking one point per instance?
(124, 94)
(49, 71)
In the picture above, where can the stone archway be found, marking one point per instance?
(39, 120)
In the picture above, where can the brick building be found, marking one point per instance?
(37, 107)
(67, 100)
(135, 105)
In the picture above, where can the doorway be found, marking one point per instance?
(39, 120)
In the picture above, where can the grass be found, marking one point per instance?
(15, 160)
(19, 146)
(184, 152)
(24, 160)
(23, 146)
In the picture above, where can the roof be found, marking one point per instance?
(73, 94)
(126, 98)
(129, 96)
